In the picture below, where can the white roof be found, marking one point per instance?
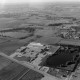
(35, 44)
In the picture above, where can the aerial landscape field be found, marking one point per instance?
(20, 23)
(40, 28)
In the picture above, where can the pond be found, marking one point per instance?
(63, 58)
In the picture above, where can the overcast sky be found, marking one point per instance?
(3, 2)
(14, 1)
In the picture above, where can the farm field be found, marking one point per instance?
(10, 46)
(10, 70)
(4, 62)
(32, 75)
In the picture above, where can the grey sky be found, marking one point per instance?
(29, 1)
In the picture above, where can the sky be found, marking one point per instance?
(32, 1)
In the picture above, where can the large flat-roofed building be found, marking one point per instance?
(49, 40)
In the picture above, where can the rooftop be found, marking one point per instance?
(49, 40)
